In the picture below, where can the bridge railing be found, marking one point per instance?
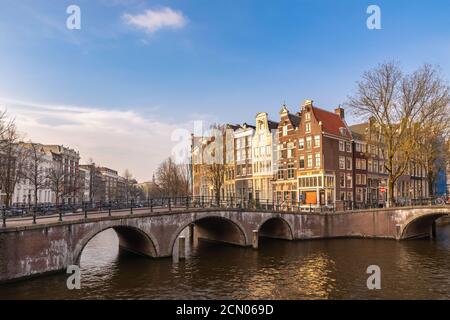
(169, 204)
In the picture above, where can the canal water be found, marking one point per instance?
(316, 269)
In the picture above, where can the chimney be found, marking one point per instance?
(340, 111)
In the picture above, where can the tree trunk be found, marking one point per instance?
(391, 184)
(35, 197)
(430, 186)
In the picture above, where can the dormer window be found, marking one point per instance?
(342, 131)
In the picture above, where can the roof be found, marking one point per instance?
(359, 130)
(331, 122)
(294, 119)
(273, 125)
(233, 126)
(246, 125)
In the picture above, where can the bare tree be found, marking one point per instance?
(215, 160)
(59, 181)
(172, 179)
(397, 103)
(56, 180)
(33, 170)
(11, 160)
(128, 177)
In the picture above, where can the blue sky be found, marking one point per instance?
(226, 61)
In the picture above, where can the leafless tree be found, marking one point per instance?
(11, 158)
(172, 179)
(398, 103)
(33, 170)
(215, 159)
(59, 181)
(128, 178)
(56, 180)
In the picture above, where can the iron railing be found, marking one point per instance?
(169, 204)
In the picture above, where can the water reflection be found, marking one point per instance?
(319, 269)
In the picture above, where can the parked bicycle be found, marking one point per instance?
(443, 200)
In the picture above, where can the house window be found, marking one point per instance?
(291, 171)
(358, 164)
(302, 162)
(280, 174)
(316, 141)
(349, 180)
(341, 146)
(310, 160)
(363, 179)
(285, 130)
(348, 147)
(349, 163)
(358, 179)
(375, 165)
(301, 143)
(290, 152)
(317, 159)
(342, 195)
(363, 164)
(308, 143)
(308, 127)
(342, 163)
(359, 194)
(342, 180)
(369, 165)
(307, 116)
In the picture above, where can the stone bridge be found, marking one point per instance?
(51, 246)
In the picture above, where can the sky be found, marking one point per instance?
(137, 74)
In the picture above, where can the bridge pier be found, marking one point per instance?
(191, 233)
(255, 238)
(181, 247)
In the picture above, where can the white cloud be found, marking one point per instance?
(113, 138)
(154, 20)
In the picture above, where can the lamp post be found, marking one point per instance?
(4, 217)
(34, 215)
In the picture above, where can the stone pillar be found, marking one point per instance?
(182, 247)
(255, 239)
(433, 230)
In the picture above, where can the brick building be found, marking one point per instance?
(310, 158)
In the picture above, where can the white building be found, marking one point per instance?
(243, 144)
(264, 159)
(24, 189)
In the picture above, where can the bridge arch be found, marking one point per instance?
(131, 238)
(277, 228)
(215, 227)
(420, 225)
